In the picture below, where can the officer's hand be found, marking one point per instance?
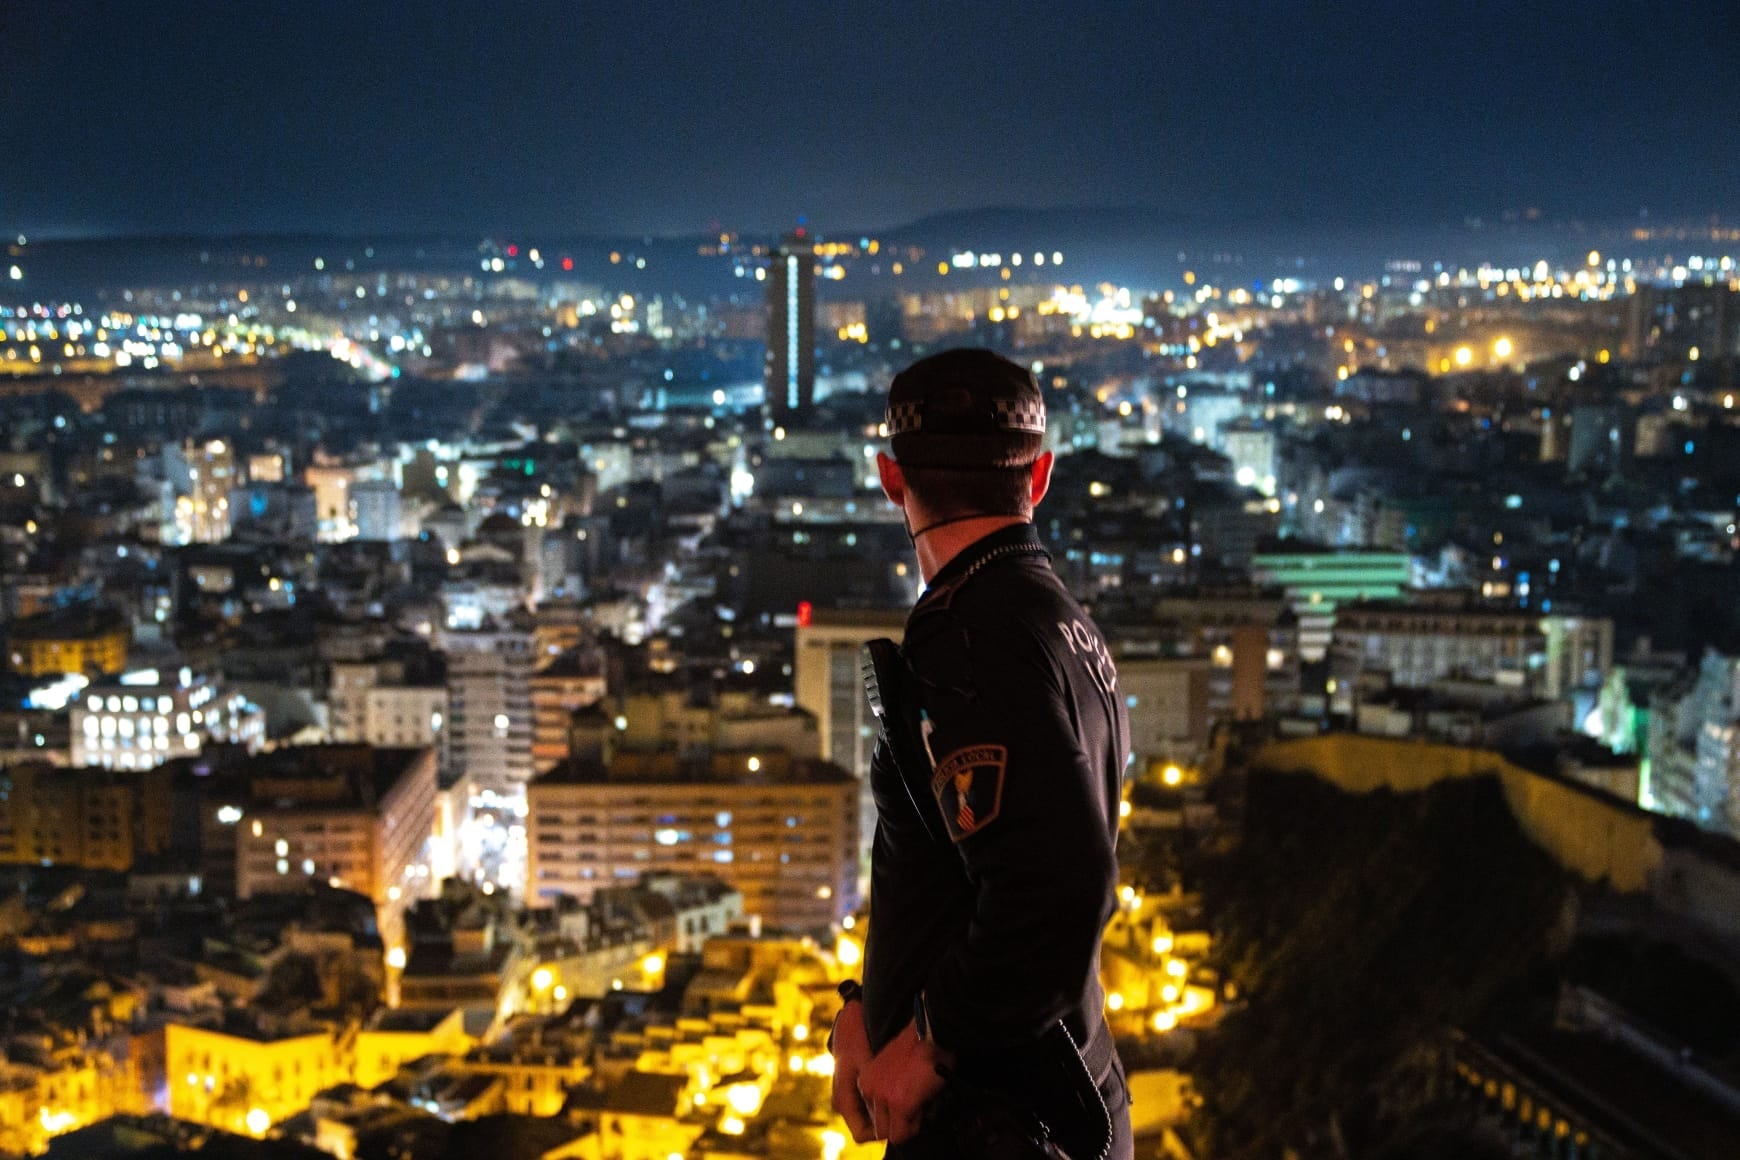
(899, 1082)
(851, 1053)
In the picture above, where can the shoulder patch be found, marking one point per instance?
(968, 785)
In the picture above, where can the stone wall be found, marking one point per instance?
(1591, 835)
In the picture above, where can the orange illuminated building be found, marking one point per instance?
(97, 819)
(83, 639)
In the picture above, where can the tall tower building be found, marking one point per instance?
(202, 510)
(791, 327)
(489, 702)
(828, 685)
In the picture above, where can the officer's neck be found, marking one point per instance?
(938, 546)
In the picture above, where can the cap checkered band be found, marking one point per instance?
(1020, 415)
(1027, 415)
(904, 417)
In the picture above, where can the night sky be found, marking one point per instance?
(579, 117)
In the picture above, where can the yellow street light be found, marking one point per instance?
(1124, 808)
(1165, 1021)
(1172, 775)
(1464, 356)
(258, 1120)
(848, 952)
(1177, 969)
(1503, 348)
(1115, 1001)
(653, 964)
(54, 1123)
(542, 978)
(1162, 944)
(743, 1098)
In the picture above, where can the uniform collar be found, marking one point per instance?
(1015, 535)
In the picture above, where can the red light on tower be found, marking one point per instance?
(567, 263)
(805, 611)
(513, 251)
(800, 232)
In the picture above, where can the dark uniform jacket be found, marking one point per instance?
(991, 891)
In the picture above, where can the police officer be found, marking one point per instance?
(993, 872)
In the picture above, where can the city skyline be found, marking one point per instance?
(442, 518)
(347, 119)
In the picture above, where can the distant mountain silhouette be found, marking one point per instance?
(962, 225)
(1132, 245)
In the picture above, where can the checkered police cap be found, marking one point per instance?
(965, 409)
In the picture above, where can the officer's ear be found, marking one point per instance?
(893, 482)
(1041, 479)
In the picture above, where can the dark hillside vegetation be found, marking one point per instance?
(1357, 932)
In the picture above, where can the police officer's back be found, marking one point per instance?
(993, 872)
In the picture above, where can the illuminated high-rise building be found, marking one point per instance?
(781, 830)
(355, 817)
(202, 515)
(489, 699)
(829, 684)
(791, 327)
(376, 510)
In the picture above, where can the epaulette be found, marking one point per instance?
(940, 598)
(935, 599)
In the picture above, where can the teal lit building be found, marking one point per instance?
(1317, 581)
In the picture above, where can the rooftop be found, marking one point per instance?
(771, 767)
(408, 1020)
(348, 777)
(75, 622)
